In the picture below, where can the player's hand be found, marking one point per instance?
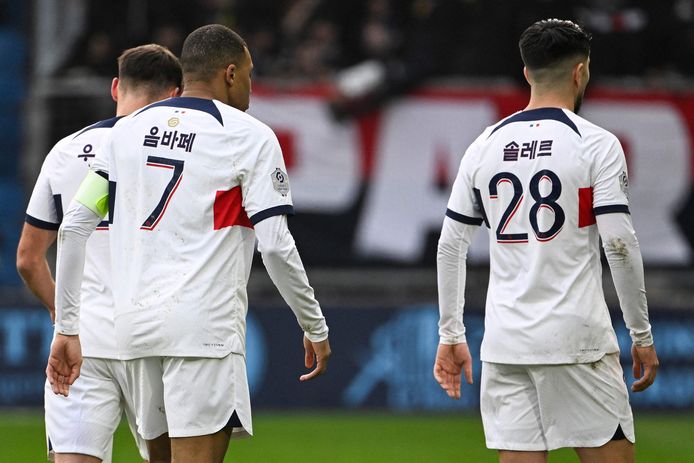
(451, 361)
(64, 363)
(318, 353)
(645, 366)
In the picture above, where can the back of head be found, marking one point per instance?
(209, 49)
(551, 44)
(151, 69)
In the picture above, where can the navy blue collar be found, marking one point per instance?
(539, 114)
(105, 124)
(189, 102)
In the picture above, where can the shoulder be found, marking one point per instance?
(591, 133)
(241, 118)
(481, 141)
(64, 149)
(243, 123)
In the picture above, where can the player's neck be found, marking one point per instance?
(197, 89)
(127, 106)
(550, 100)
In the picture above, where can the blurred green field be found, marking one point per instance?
(361, 437)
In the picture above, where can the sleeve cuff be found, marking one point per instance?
(642, 338)
(66, 331)
(450, 340)
(322, 335)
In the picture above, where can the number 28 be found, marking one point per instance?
(549, 202)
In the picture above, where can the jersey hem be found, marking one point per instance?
(38, 223)
(175, 353)
(564, 360)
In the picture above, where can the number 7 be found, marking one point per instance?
(158, 212)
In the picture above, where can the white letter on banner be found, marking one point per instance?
(403, 204)
(326, 173)
(659, 171)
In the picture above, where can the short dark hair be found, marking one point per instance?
(151, 67)
(551, 41)
(210, 48)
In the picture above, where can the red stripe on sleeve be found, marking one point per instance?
(228, 210)
(586, 217)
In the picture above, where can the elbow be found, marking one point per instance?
(272, 251)
(26, 263)
(447, 249)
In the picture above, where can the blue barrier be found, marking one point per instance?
(381, 359)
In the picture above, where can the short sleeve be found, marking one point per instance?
(463, 205)
(265, 188)
(610, 180)
(42, 211)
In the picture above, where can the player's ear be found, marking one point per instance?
(579, 73)
(229, 74)
(525, 73)
(114, 89)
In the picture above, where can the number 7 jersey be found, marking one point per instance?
(537, 180)
(188, 180)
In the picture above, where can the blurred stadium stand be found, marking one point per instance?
(13, 74)
(348, 87)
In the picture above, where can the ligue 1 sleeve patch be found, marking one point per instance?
(624, 183)
(280, 182)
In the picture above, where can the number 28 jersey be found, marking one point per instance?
(188, 179)
(537, 180)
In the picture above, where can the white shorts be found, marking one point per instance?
(190, 396)
(85, 420)
(545, 407)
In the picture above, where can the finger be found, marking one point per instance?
(438, 374)
(456, 381)
(640, 385)
(53, 379)
(309, 357)
(636, 367)
(74, 374)
(316, 372)
(467, 368)
(645, 381)
(50, 374)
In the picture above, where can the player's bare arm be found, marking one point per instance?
(32, 264)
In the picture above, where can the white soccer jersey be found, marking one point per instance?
(536, 180)
(61, 174)
(188, 178)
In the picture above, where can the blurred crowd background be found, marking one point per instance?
(313, 39)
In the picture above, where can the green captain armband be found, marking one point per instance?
(93, 193)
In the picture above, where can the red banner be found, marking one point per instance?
(375, 188)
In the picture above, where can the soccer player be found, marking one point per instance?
(190, 183)
(80, 427)
(547, 184)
